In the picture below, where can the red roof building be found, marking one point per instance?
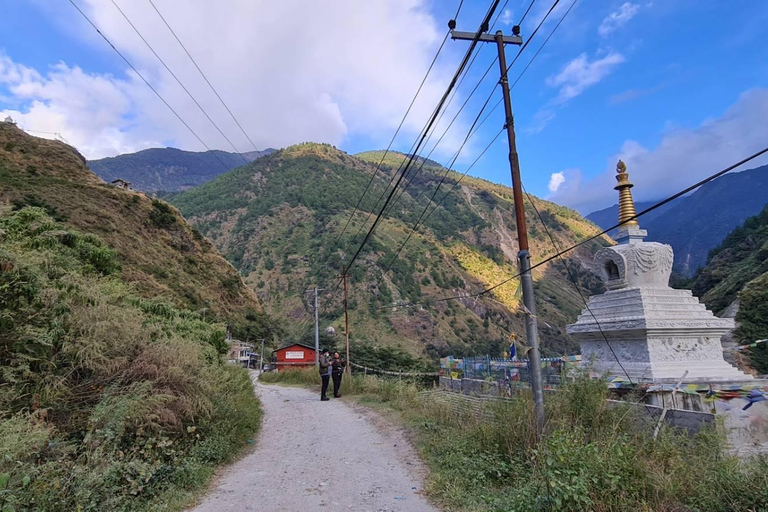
(296, 355)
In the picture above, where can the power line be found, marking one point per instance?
(378, 167)
(179, 81)
(148, 84)
(598, 235)
(470, 133)
(532, 59)
(414, 148)
(463, 64)
(203, 75)
(450, 101)
(575, 283)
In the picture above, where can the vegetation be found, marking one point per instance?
(738, 269)
(278, 218)
(157, 251)
(108, 400)
(592, 456)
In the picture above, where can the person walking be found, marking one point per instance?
(325, 373)
(338, 364)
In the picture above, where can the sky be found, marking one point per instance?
(677, 89)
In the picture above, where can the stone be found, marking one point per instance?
(654, 333)
(641, 327)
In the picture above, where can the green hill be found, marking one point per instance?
(738, 269)
(159, 254)
(277, 218)
(113, 390)
(169, 169)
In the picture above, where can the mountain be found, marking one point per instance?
(695, 224)
(610, 216)
(738, 269)
(277, 220)
(159, 253)
(170, 169)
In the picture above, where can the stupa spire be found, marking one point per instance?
(629, 231)
(626, 203)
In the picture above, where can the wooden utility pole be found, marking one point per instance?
(523, 255)
(317, 327)
(348, 369)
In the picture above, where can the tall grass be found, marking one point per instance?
(107, 401)
(591, 457)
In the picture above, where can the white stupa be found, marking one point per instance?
(654, 333)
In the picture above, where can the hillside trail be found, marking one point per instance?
(312, 454)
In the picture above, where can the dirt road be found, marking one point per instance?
(313, 454)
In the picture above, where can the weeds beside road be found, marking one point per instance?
(591, 457)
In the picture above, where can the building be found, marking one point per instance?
(9, 120)
(295, 355)
(119, 183)
(239, 352)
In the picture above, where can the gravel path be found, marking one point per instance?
(313, 454)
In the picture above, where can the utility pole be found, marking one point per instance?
(523, 255)
(317, 327)
(262, 355)
(348, 369)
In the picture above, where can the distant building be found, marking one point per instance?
(239, 352)
(9, 120)
(127, 185)
(295, 355)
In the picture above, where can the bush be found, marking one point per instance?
(162, 214)
(108, 401)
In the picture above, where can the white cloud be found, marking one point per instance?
(555, 180)
(351, 69)
(581, 73)
(617, 19)
(507, 17)
(683, 157)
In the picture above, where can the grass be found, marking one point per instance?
(108, 400)
(592, 457)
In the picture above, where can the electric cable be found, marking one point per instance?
(575, 282)
(203, 75)
(135, 29)
(148, 84)
(595, 236)
(429, 125)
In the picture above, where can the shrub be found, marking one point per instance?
(162, 214)
(108, 401)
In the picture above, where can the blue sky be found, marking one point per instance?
(678, 89)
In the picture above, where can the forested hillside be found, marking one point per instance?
(170, 169)
(738, 269)
(158, 253)
(278, 218)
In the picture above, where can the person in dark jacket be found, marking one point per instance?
(325, 374)
(338, 364)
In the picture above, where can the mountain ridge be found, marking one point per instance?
(276, 219)
(160, 254)
(170, 169)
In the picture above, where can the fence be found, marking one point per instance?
(508, 371)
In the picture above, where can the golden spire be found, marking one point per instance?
(626, 204)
